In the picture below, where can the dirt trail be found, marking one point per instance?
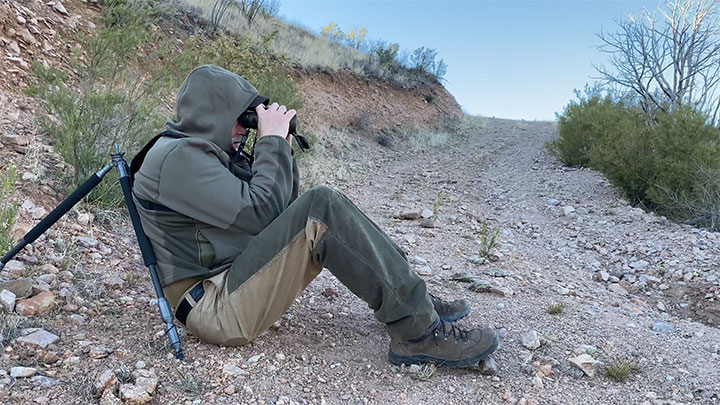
(505, 176)
(330, 349)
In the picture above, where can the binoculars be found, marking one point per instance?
(249, 120)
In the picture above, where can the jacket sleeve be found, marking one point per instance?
(195, 183)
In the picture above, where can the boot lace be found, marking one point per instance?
(458, 334)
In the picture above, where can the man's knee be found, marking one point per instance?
(323, 193)
(326, 197)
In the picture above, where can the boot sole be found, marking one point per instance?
(424, 358)
(457, 315)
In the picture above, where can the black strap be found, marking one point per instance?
(153, 206)
(183, 309)
(138, 160)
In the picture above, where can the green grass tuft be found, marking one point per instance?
(620, 370)
(488, 239)
(556, 309)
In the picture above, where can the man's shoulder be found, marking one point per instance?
(168, 147)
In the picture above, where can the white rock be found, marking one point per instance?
(617, 289)
(149, 384)
(568, 210)
(60, 8)
(83, 219)
(38, 212)
(13, 266)
(530, 340)
(78, 319)
(22, 372)
(39, 338)
(27, 205)
(133, 394)
(86, 241)
(7, 299)
(233, 371)
(426, 213)
(418, 260)
(639, 265)
(424, 271)
(586, 363)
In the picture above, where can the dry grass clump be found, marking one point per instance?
(620, 369)
(425, 373)
(190, 384)
(556, 309)
(12, 324)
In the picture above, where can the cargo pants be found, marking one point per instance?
(322, 228)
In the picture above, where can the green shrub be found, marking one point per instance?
(115, 97)
(488, 239)
(8, 209)
(387, 55)
(687, 163)
(422, 60)
(668, 162)
(585, 123)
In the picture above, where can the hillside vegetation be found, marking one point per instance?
(117, 87)
(652, 125)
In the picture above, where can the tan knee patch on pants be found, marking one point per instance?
(234, 319)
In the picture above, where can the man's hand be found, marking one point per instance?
(274, 121)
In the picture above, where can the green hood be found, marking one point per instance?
(208, 103)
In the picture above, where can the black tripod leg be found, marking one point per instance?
(149, 258)
(58, 212)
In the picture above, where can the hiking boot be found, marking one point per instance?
(446, 344)
(450, 311)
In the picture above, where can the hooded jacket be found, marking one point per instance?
(213, 212)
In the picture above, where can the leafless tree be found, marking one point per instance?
(250, 9)
(218, 13)
(668, 57)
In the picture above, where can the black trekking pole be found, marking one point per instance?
(118, 161)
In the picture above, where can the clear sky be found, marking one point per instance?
(506, 58)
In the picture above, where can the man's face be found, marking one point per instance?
(237, 133)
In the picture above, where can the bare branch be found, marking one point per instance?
(670, 56)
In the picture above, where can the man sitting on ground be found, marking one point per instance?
(235, 248)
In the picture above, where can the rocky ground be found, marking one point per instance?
(578, 283)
